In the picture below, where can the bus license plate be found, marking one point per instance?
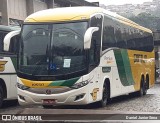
(49, 101)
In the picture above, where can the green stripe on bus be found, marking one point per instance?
(67, 83)
(120, 65)
(127, 66)
(124, 68)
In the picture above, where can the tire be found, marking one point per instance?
(143, 88)
(146, 85)
(1, 96)
(105, 96)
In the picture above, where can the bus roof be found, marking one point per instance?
(63, 14)
(75, 13)
(9, 28)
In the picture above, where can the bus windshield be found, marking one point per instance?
(52, 49)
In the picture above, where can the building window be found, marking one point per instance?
(41, 1)
(15, 22)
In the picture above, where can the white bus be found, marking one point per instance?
(8, 65)
(82, 55)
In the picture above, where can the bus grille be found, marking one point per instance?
(53, 90)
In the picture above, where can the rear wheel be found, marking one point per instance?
(1, 96)
(146, 85)
(143, 88)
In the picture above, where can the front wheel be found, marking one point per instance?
(105, 97)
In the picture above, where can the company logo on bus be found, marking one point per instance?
(2, 65)
(108, 59)
(48, 91)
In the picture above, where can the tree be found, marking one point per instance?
(147, 20)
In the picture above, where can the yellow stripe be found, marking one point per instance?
(2, 65)
(144, 68)
(38, 84)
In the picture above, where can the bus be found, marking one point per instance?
(82, 55)
(8, 65)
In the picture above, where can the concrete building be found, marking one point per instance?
(156, 36)
(14, 11)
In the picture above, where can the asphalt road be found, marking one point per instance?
(128, 104)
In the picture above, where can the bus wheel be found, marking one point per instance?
(104, 100)
(146, 86)
(143, 88)
(1, 96)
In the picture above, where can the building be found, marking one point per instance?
(156, 36)
(12, 12)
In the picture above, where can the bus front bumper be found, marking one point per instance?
(73, 97)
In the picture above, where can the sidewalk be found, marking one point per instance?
(91, 115)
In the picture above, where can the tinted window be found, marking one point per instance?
(142, 41)
(14, 45)
(120, 33)
(2, 35)
(53, 49)
(148, 42)
(96, 21)
(130, 38)
(117, 34)
(108, 34)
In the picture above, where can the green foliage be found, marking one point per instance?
(147, 20)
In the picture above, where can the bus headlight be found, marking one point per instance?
(80, 84)
(23, 87)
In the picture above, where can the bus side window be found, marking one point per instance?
(148, 42)
(108, 34)
(14, 45)
(1, 41)
(138, 40)
(2, 35)
(93, 51)
(121, 33)
(96, 21)
(130, 39)
(118, 35)
(121, 41)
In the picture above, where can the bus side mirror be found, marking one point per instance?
(7, 39)
(88, 36)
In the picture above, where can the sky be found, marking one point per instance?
(119, 2)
